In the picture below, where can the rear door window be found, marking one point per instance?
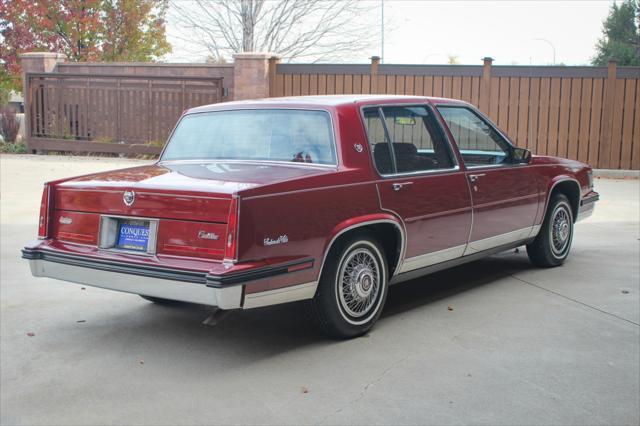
(406, 139)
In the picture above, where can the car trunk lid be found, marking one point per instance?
(187, 204)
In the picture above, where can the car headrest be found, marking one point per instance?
(405, 149)
(382, 157)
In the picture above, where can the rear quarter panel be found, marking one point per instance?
(305, 220)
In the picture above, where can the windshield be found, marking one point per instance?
(269, 134)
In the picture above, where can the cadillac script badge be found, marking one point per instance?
(208, 235)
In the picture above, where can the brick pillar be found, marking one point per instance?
(35, 62)
(251, 75)
(39, 62)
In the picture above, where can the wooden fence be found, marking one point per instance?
(591, 114)
(110, 113)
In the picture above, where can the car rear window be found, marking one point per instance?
(304, 136)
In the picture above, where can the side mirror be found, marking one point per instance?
(521, 155)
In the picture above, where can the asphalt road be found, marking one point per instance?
(519, 345)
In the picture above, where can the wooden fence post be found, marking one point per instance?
(273, 64)
(604, 154)
(117, 109)
(373, 78)
(485, 85)
(149, 111)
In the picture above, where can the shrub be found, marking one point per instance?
(9, 125)
(13, 148)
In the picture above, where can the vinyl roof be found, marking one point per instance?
(316, 101)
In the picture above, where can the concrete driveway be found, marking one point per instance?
(519, 345)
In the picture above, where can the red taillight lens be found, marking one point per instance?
(43, 221)
(231, 244)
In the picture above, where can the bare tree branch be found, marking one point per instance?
(311, 29)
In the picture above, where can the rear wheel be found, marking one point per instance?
(352, 289)
(552, 245)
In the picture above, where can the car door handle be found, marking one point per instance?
(398, 186)
(474, 178)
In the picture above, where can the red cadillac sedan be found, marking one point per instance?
(329, 199)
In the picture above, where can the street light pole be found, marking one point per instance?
(553, 48)
(382, 31)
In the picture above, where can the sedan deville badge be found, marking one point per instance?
(282, 239)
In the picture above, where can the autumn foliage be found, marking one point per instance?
(85, 30)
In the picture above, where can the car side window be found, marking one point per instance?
(406, 139)
(479, 143)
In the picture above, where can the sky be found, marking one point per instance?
(428, 32)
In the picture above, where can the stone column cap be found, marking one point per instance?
(255, 55)
(54, 55)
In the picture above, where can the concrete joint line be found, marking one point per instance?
(366, 387)
(575, 301)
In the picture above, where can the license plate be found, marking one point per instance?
(133, 235)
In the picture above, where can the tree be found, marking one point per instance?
(620, 35)
(84, 30)
(135, 30)
(7, 84)
(311, 29)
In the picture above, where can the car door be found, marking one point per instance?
(504, 194)
(420, 181)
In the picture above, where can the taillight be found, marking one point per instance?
(231, 244)
(43, 221)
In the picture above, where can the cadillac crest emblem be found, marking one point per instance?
(129, 197)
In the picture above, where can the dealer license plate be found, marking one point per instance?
(133, 235)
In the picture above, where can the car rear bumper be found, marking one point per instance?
(225, 292)
(587, 205)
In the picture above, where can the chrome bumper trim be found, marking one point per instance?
(587, 206)
(280, 295)
(585, 211)
(224, 298)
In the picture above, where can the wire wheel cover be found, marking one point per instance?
(560, 230)
(359, 282)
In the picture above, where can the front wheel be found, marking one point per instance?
(551, 246)
(352, 289)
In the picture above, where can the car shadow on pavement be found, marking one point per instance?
(117, 322)
(440, 285)
(256, 333)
